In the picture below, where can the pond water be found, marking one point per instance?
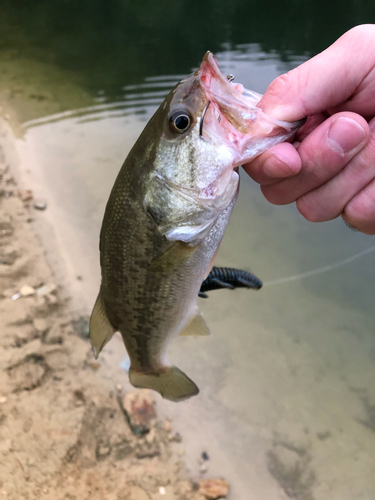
(287, 402)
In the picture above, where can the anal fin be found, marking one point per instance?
(196, 327)
(101, 329)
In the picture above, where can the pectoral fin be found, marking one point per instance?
(197, 327)
(175, 255)
(101, 329)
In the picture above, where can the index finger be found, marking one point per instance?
(326, 80)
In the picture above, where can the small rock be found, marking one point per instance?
(3, 399)
(162, 490)
(203, 469)
(205, 456)
(40, 204)
(26, 291)
(79, 398)
(213, 489)
(175, 438)
(140, 410)
(82, 326)
(46, 289)
(103, 451)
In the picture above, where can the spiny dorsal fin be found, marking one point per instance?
(101, 329)
(197, 327)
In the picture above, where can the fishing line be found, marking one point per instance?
(320, 270)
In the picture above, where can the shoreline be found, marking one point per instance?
(64, 421)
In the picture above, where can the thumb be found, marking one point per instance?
(326, 80)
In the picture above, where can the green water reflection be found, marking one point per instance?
(115, 42)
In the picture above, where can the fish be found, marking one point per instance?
(166, 216)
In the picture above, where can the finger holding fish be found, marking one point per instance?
(324, 153)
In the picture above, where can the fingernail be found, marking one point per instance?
(344, 135)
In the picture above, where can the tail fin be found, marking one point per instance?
(172, 384)
(101, 329)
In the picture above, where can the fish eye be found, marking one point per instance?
(179, 122)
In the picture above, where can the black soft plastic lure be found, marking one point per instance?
(230, 278)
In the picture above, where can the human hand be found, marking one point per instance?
(330, 168)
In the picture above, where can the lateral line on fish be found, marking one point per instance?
(320, 270)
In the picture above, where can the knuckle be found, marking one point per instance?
(308, 209)
(274, 194)
(309, 158)
(314, 206)
(359, 213)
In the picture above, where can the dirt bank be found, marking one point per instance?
(63, 433)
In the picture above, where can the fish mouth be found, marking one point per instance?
(232, 114)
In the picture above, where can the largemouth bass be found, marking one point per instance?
(166, 216)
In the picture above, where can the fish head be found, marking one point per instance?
(209, 126)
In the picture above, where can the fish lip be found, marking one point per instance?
(253, 98)
(234, 116)
(211, 61)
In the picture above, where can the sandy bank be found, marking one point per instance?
(64, 431)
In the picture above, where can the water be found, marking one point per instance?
(287, 396)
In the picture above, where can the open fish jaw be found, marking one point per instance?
(233, 115)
